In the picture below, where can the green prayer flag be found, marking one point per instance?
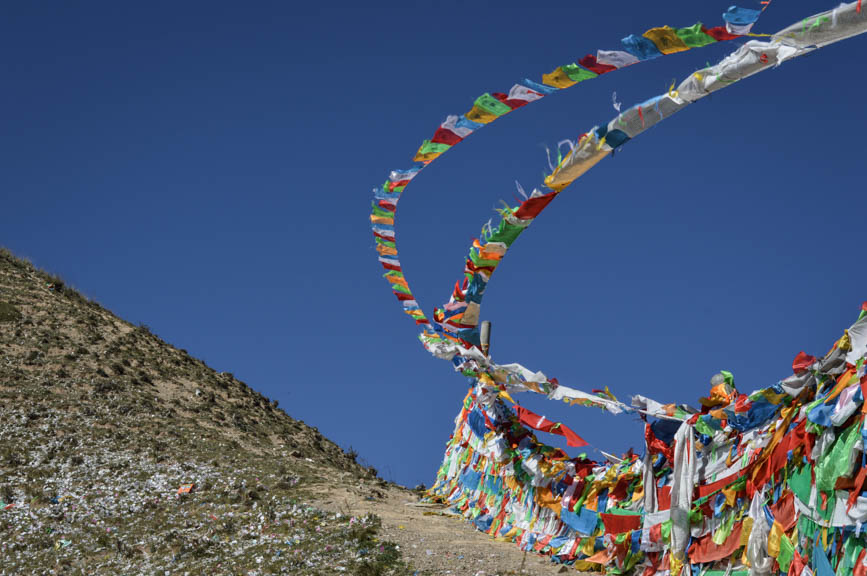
(377, 211)
(588, 485)
(506, 233)
(723, 532)
(622, 512)
(694, 37)
(837, 461)
(576, 73)
(703, 427)
(490, 104)
(787, 550)
(428, 147)
(806, 527)
(851, 549)
(800, 483)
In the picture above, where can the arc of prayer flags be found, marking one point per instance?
(492, 106)
(766, 482)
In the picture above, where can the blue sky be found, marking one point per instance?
(206, 169)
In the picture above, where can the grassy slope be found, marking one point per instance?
(101, 422)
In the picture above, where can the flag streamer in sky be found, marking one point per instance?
(770, 482)
(488, 107)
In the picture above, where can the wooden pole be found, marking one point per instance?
(486, 337)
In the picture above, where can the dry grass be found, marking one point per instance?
(101, 422)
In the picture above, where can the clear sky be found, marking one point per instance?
(205, 169)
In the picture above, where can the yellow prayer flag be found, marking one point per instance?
(558, 79)
(666, 40)
(387, 220)
(386, 250)
(505, 395)
(746, 529)
(425, 156)
(774, 537)
(480, 115)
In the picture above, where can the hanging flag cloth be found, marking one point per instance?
(774, 478)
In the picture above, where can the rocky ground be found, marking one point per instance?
(434, 541)
(102, 424)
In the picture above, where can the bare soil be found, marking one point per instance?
(434, 541)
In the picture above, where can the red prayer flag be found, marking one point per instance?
(542, 424)
(510, 102)
(784, 511)
(591, 64)
(620, 523)
(444, 136)
(706, 489)
(532, 207)
(540, 544)
(620, 489)
(802, 362)
(859, 569)
(856, 489)
(719, 33)
(704, 550)
(655, 445)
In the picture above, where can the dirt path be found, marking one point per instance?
(433, 542)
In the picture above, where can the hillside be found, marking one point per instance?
(102, 422)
